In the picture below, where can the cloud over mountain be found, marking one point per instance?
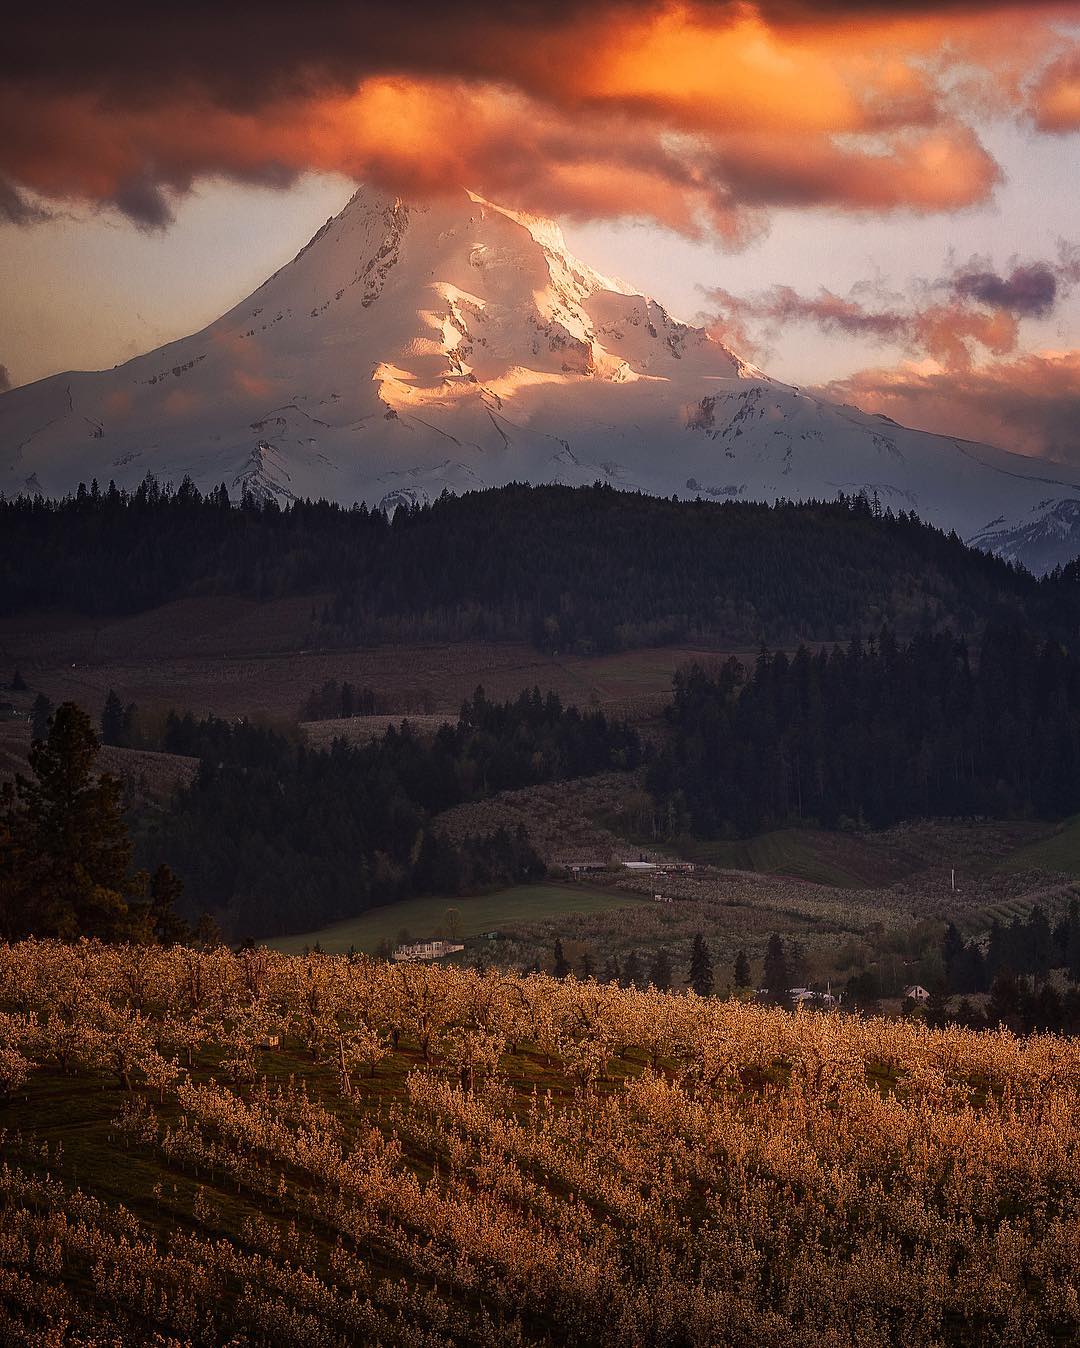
(948, 319)
(703, 116)
(1031, 403)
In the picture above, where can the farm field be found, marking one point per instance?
(236, 657)
(486, 912)
(866, 859)
(1059, 852)
(152, 776)
(802, 854)
(208, 1147)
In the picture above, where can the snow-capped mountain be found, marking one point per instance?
(411, 349)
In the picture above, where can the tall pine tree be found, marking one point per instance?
(700, 974)
(777, 975)
(660, 974)
(64, 862)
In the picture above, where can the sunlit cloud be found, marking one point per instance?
(703, 118)
(1056, 98)
(1030, 404)
(973, 306)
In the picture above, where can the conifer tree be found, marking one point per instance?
(995, 949)
(742, 970)
(561, 966)
(700, 974)
(112, 719)
(777, 976)
(40, 713)
(587, 969)
(660, 975)
(798, 968)
(1040, 942)
(952, 949)
(166, 926)
(64, 870)
(633, 974)
(207, 932)
(1004, 1005)
(1072, 947)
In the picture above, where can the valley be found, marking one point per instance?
(234, 657)
(540, 675)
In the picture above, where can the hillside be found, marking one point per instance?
(585, 571)
(409, 349)
(261, 1149)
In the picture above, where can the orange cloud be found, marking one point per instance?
(946, 332)
(700, 116)
(981, 308)
(1056, 98)
(1030, 405)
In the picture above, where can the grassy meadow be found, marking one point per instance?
(1060, 852)
(485, 912)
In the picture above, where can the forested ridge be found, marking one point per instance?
(875, 733)
(277, 837)
(586, 569)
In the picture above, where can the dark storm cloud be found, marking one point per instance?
(143, 202)
(735, 317)
(248, 49)
(1029, 291)
(128, 105)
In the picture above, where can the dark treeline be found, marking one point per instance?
(575, 569)
(875, 733)
(1026, 948)
(335, 700)
(1022, 965)
(276, 837)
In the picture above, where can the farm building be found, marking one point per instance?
(801, 996)
(426, 950)
(917, 993)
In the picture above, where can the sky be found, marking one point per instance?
(875, 201)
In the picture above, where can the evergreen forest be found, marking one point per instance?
(276, 837)
(578, 569)
(871, 734)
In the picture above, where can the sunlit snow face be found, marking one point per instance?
(759, 144)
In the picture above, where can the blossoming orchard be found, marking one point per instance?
(207, 1147)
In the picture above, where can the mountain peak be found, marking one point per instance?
(411, 348)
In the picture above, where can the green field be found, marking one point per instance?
(485, 912)
(1059, 852)
(844, 860)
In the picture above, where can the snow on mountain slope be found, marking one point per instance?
(407, 350)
